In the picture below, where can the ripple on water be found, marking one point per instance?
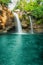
(25, 49)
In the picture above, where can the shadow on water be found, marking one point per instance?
(22, 49)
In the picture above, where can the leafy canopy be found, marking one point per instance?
(33, 6)
(4, 1)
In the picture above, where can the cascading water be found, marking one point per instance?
(11, 7)
(12, 4)
(31, 24)
(19, 28)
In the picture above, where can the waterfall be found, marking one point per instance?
(12, 5)
(19, 28)
(31, 24)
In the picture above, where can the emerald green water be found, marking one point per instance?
(23, 49)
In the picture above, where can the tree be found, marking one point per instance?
(33, 6)
(38, 1)
(4, 1)
(21, 4)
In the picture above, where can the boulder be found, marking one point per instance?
(24, 24)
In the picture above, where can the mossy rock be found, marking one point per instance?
(39, 21)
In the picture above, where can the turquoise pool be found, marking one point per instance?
(20, 49)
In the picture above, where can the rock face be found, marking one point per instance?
(7, 22)
(6, 19)
(25, 22)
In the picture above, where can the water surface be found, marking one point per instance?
(20, 49)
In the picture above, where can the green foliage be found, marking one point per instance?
(21, 5)
(28, 7)
(24, 6)
(39, 21)
(4, 1)
(38, 12)
(38, 1)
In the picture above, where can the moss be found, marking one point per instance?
(39, 21)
